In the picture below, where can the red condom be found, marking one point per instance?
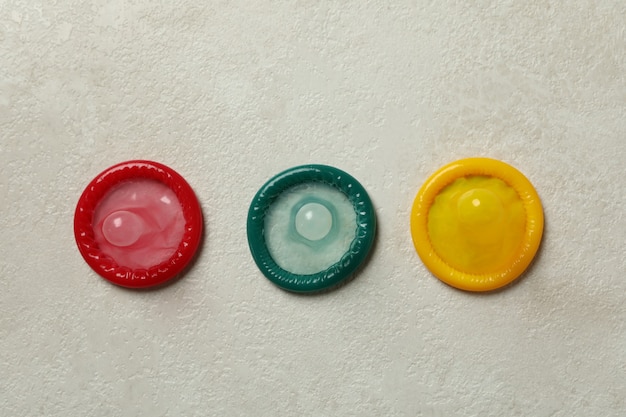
(138, 224)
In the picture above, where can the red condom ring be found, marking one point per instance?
(138, 224)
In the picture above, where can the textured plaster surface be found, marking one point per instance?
(230, 93)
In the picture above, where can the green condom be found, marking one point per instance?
(310, 227)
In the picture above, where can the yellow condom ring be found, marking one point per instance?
(475, 209)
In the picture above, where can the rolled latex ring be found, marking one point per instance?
(138, 224)
(477, 224)
(310, 228)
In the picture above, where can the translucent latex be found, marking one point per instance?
(477, 224)
(309, 227)
(139, 223)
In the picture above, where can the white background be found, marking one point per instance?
(230, 93)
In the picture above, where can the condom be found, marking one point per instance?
(477, 224)
(138, 224)
(310, 227)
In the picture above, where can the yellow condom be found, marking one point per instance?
(477, 224)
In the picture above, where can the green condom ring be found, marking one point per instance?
(351, 259)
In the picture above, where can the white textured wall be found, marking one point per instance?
(230, 93)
